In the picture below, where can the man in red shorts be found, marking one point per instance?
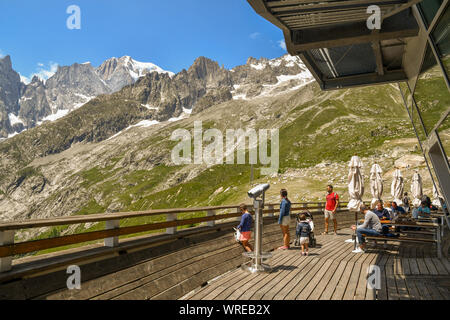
(330, 209)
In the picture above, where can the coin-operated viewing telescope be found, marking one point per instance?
(256, 264)
(258, 190)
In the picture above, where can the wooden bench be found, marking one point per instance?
(406, 239)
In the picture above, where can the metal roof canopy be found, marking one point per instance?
(333, 40)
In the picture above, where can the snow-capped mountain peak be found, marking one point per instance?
(119, 72)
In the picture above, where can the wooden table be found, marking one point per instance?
(427, 225)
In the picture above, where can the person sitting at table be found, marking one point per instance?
(396, 210)
(422, 212)
(371, 227)
(381, 212)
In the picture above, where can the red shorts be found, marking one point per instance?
(245, 236)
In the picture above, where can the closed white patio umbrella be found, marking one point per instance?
(416, 189)
(355, 189)
(436, 202)
(397, 187)
(355, 184)
(376, 184)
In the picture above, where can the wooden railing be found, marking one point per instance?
(112, 232)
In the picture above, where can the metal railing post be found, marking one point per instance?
(112, 241)
(6, 237)
(211, 213)
(171, 217)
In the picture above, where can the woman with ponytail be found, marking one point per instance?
(285, 218)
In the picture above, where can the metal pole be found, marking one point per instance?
(257, 256)
(258, 232)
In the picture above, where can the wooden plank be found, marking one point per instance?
(414, 266)
(434, 292)
(327, 294)
(235, 292)
(406, 270)
(422, 266)
(305, 278)
(300, 264)
(339, 292)
(362, 291)
(323, 282)
(444, 291)
(430, 266)
(402, 289)
(273, 284)
(227, 280)
(412, 289)
(420, 285)
(240, 278)
(264, 282)
(439, 266)
(446, 263)
(26, 224)
(382, 293)
(327, 285)
(326, 268)
(392, 293)
(149, 286)
(287, 292)
(353, 282)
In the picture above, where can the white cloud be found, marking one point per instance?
(282, 44)
(254, 35)
(42, 72)
(1, 54)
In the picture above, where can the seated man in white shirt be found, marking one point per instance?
(371, 227)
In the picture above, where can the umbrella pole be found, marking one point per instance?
(356, 224)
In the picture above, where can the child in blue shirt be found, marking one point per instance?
(304, 229)
(245, 227)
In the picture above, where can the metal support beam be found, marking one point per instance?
(364, 80)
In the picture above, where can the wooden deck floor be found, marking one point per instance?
(333, 272)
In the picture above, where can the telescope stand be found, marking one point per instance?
(256, 265)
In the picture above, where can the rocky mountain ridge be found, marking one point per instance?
(171, 96)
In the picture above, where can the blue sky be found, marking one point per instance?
(169, 33)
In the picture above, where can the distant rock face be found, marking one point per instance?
(10, 87)
(73, 86)
(269, 77)
(34, 105)
(165, 94)
(26, 106)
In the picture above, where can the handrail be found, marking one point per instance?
(111, 234)
(58, 221)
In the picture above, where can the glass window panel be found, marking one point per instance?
(428, 8)
(431, 93)
(418, 124)
(441, 37)
(412, 111)
(444, 135)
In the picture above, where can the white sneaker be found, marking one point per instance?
(358, 250)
